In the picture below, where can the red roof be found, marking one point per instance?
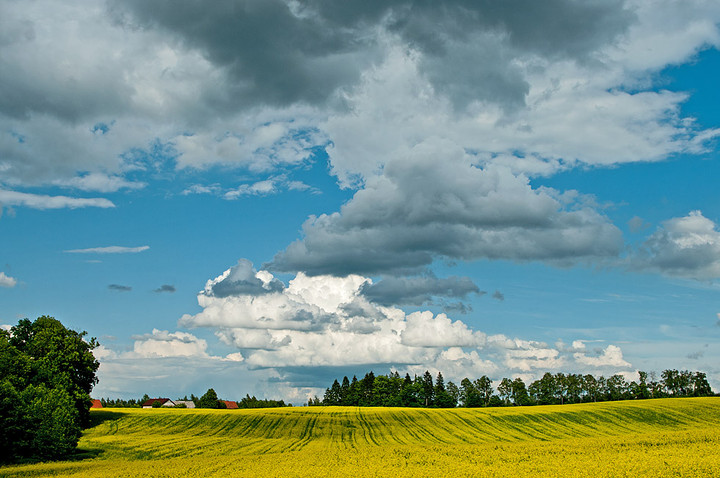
(96, 404)
(229, 404)
(149, 403)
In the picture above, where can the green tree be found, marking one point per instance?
(592, 388)
(505, 390)
(332, 394)
(367, 383)
(617, 387)
(454, 392)
(210, 400)
(441, 396)
(641, 389)
(410, 394)
(469, 396)
(519, 392)
(428, 389)
(484, 387)
(545, 390)
(344, 391)
(353, 397)
(58, 358)
(700, 385)
(46, 374)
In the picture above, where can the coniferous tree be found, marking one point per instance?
(353, 398)
(344, 391)
(428, 389)
(366, 389)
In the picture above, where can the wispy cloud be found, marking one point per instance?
(41, 201)
(120, 288)
(109, 250)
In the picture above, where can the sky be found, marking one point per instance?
(263, 196)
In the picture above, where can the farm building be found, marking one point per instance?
(230, 405)
(164, 402)
(187, 403)
(95, 404)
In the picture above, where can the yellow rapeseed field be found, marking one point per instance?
(667, 437)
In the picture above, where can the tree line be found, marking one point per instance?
(208, 400)
(392, 390)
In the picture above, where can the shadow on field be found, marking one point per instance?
(98, 417)
(84, 454)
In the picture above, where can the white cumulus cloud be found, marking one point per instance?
(686, 246)
(7, 281)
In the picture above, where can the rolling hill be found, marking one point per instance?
(666, 437)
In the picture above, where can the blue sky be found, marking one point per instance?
(262, 196)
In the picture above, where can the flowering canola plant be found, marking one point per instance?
(663, 437)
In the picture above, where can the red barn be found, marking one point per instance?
(230, 405)
(164, 402)
(96, 404)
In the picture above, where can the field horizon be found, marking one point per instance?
(658, 437)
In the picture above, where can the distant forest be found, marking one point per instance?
(422, 391)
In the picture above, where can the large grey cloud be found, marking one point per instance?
(437, 204)
(281, 52)
(98, 85)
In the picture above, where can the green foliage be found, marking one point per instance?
(120, 403)
(47, 374)
(252, 402)
(50, 354)
(210, 400)
(393, 391)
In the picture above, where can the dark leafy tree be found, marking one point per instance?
(46, 374)
(574, 384)
(411, 393)
(592, 388)
(252, 402)
(57, 357)
(485, 389)
(505, 391)
(641, 389)
(561, 387)
(469, 395)
(519, 393)
(210, 400)
(700, 385)
(617, 387)
(545, 390)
